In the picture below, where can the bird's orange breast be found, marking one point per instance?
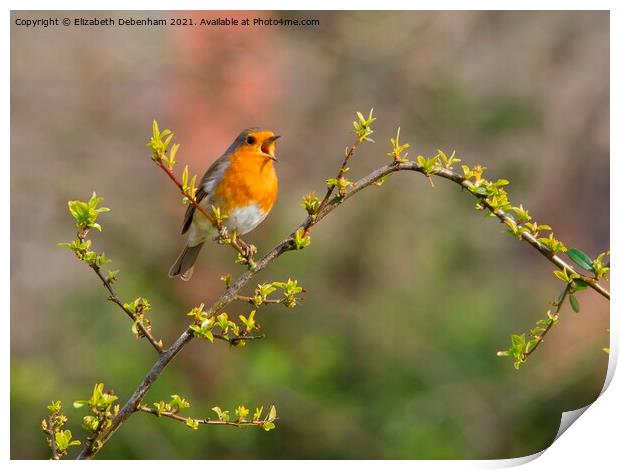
(250, 178)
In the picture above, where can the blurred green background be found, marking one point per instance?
(410, 290)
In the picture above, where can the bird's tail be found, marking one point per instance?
(184, 265)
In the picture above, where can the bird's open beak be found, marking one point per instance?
(269, 147)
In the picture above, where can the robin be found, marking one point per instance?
(242, 183)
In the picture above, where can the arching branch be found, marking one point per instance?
(490, 197)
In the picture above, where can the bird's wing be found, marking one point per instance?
(207, 184)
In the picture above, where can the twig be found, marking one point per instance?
(341, 172)
(237, 339)
(558, 305)
(184, 419)
(250, 300)
(230, 294)
(114, 298)
(52, 438)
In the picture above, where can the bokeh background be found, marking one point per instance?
(410, 290)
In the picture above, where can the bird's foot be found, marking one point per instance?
(248, 249)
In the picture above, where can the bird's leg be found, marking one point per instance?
(248, 249)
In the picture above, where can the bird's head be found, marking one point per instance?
(258, 141)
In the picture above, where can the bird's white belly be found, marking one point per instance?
(245, 219)
(241, 219)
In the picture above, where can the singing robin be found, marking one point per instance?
(242, 183)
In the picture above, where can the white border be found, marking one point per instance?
(590, 441)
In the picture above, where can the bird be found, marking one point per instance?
(242, 183)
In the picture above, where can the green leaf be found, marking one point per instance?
(241, 412)
(600, 267)
(579, 284)
(222, 321)
(90, 423)
(562, 275)
(518, 341)
(265, 289)
(191, 423)
(167, 141)
(203, 331)
(480, 190)
(249, 322)
(185, 177)
(581, 259)
(86, 213)
(272, 413)
(112, 275)
(574, 303)
(155, 129)
(178, 402)
(54, 407)
(301, 241)
(222, 415)
(63, 440)
(311, 203)
(269, 426)
(362, 126)
(398, 151)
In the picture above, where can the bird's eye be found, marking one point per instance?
(251, 140)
